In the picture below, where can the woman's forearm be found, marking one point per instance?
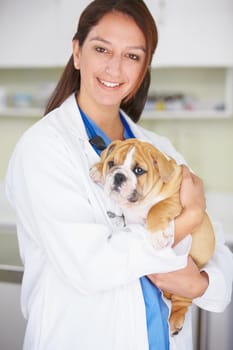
(192, 197)
(186, 223)
(188, 282)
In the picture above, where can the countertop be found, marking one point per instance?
(219, 204)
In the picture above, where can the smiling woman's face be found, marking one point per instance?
(111, 60)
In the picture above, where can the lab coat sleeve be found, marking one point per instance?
(47, 188)
(220, 272)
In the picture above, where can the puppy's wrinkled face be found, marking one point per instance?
(132, 171)
(122, 176)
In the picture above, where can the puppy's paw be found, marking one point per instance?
(176, 323)
(162, 239)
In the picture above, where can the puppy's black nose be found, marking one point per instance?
(119, 178)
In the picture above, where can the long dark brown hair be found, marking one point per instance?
(70, 79)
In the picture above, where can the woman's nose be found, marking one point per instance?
(114, 65)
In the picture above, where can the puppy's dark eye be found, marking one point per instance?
(139, 171)
(110, 164)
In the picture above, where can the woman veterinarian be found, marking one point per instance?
(85, 284)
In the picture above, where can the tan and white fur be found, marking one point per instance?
(146, 183)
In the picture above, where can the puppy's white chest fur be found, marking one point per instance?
(137, 213)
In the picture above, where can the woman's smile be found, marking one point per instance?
(108, 84)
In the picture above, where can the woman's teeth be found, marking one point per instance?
(109, 84)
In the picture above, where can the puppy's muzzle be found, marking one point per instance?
(134, 197)
(118, 180)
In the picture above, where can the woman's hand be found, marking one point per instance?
(188, 282)
(192, 195)
(193, 201)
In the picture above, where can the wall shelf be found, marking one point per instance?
(210, 90)
(201, 114)
(190, 93)
(30, 112)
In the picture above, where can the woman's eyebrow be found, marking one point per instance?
(133, 47)
(98, 38)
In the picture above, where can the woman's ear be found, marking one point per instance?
(76, 53)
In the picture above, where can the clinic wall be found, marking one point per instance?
(207, 145)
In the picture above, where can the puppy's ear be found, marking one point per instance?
(165, 167)
(96, 171)
(109, 150)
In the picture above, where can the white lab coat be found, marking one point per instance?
(81, 287)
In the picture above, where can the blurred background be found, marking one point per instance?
(190, 102)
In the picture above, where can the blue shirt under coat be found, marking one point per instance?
(156, 310)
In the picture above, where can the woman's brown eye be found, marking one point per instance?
(100, 49)
(133, 57)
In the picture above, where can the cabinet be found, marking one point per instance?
(28, 34)
(191, 33)
(68, 15)
(37, 33)
(13, 325)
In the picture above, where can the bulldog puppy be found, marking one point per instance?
(146, 183)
